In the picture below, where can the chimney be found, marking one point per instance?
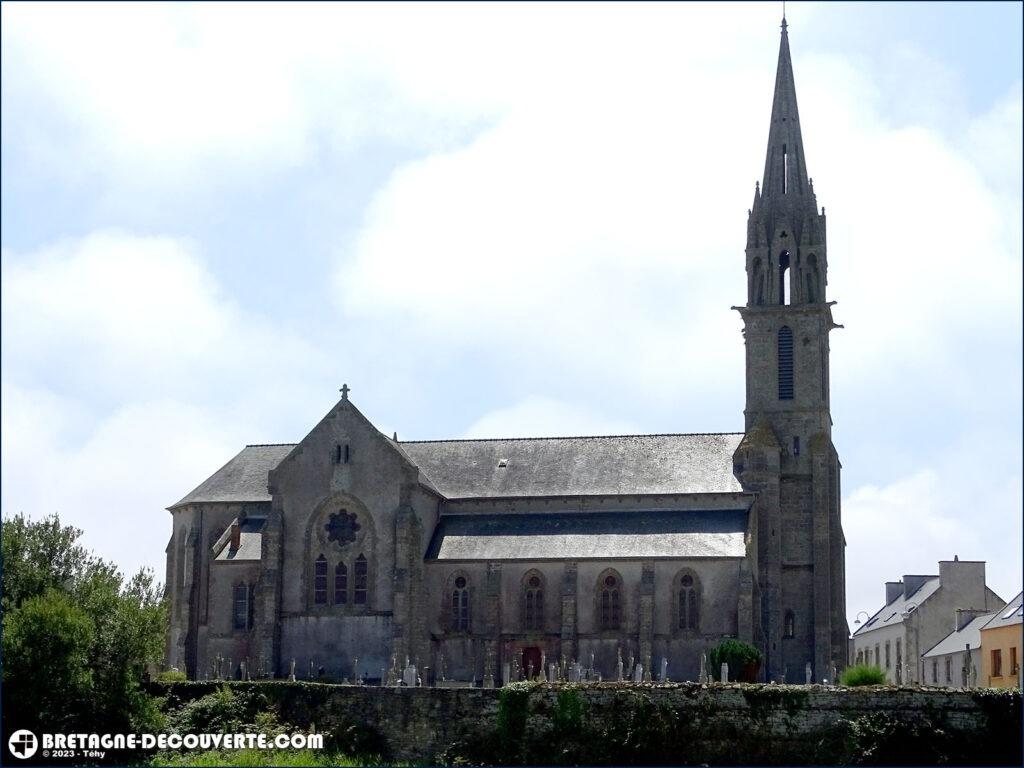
(912, 583)
(236, 535)
(893, 589)
(965, 616)
(964, 581)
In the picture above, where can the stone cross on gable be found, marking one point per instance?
(344, 391)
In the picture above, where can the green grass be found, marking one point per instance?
(862, 674)
(260, 757)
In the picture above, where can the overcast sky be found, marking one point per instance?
(502, 220)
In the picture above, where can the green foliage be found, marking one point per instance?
(881, 739)
(736, 653)
(862, 674)
(256, 757)
(50, 584)
(46, 674)
(38, 556)
(171, 676)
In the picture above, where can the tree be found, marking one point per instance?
(38, 555)
(46, 646)
(52, 589)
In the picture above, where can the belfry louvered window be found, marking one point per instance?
(785, 363)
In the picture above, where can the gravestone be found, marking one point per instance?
(725, 672)
(409, 676)
(663, 677)
(807, 674)
(291, 671)
(703, 668)
(506, 673)
(638, 673)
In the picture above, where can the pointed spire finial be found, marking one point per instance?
(784, 24)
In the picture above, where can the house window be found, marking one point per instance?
(460, 604)
(899, 653)
(860, 657)
(997, 662)
(878, 656)
(935, 670)
(887, 658)
(340, 584)
(610, 601)
(240, 614)
(789, 625)
(533, 602)
(785, 349)
(949, 670)
(320, 581)
(360, 572)
(689, 602)
(1014, 669)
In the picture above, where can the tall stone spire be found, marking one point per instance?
(787, 457)
(785, 171)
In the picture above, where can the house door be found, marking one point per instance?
(531, 662)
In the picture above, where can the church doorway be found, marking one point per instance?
(531, 662)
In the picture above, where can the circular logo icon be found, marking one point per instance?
(23, 744)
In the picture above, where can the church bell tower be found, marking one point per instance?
(787, 455)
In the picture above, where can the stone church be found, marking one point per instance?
(343, 555)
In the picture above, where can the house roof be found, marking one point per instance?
(579, 466)
(892, 614)
(582, 535)
(1012, 613)
(244, 478)
(956, 640)
(626, 465)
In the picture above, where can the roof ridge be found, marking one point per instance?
(270, 445)
(565, 437)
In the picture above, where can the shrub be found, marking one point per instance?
(736, 653)
(171, 676)
(862, 674)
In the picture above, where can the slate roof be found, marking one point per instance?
(1013, 613)
(579, 466)
(892, 614)
(622, 465)
(955, 641)
(556, 536)
(250, 542)
(244, 478)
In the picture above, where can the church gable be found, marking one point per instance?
(343, 454)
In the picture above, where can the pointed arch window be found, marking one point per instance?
(320, 581)
(785, 348)
(784, 276)
(610, 601)
(533, 601)
(689, 602)
(757, 282)
(789, 625)
(812, 279)
(360, 571)
(241, 616)
(460, 604)
(340, 584)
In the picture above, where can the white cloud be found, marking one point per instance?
(539, 416)
(574, 220)
(967, 503)
(128, 377)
